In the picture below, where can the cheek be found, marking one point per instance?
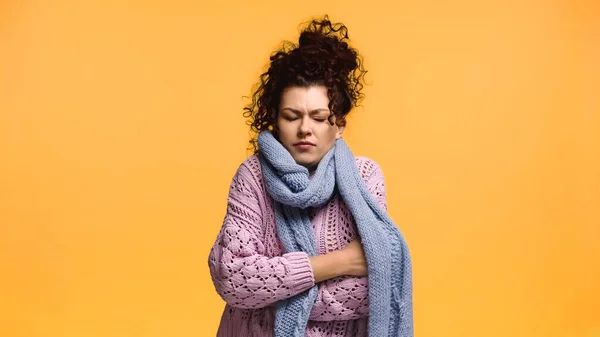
(332, 133)
(328, 136)
(285, 131)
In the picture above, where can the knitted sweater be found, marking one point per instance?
(251, 273)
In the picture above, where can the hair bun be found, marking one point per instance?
(327, 41)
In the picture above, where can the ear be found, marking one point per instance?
(340, 130)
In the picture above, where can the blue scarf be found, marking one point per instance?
(388, 259)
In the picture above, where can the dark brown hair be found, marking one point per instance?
(321, 57)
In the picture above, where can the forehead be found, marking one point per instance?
(305, 98)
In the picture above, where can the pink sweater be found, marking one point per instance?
(251, 273)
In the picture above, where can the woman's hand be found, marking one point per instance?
(355, 260)
(350, 260)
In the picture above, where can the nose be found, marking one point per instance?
(305, 128)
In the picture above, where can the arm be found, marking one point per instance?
(346, 298)
(241, 274)
(348, 261)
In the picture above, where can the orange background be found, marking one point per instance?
(121, 126)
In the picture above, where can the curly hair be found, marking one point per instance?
(322, 57)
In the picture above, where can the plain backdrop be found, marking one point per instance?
(121, 127)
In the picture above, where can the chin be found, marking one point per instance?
(304, 161)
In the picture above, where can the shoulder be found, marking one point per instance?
(249, 173)
(251, 165)
(368, 167)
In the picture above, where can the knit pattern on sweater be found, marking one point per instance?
(251, 272)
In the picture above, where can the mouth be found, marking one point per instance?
(304, 143)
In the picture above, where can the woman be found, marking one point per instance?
(306, 247)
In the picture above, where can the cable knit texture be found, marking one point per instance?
(254, 274)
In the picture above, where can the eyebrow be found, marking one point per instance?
(312, 112)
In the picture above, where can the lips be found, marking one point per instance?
(304, 143)
(304, 146)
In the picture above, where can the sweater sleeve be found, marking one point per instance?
(341, 299)
(347, 297)
(242, 275)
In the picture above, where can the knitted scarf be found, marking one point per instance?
(388, 259)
